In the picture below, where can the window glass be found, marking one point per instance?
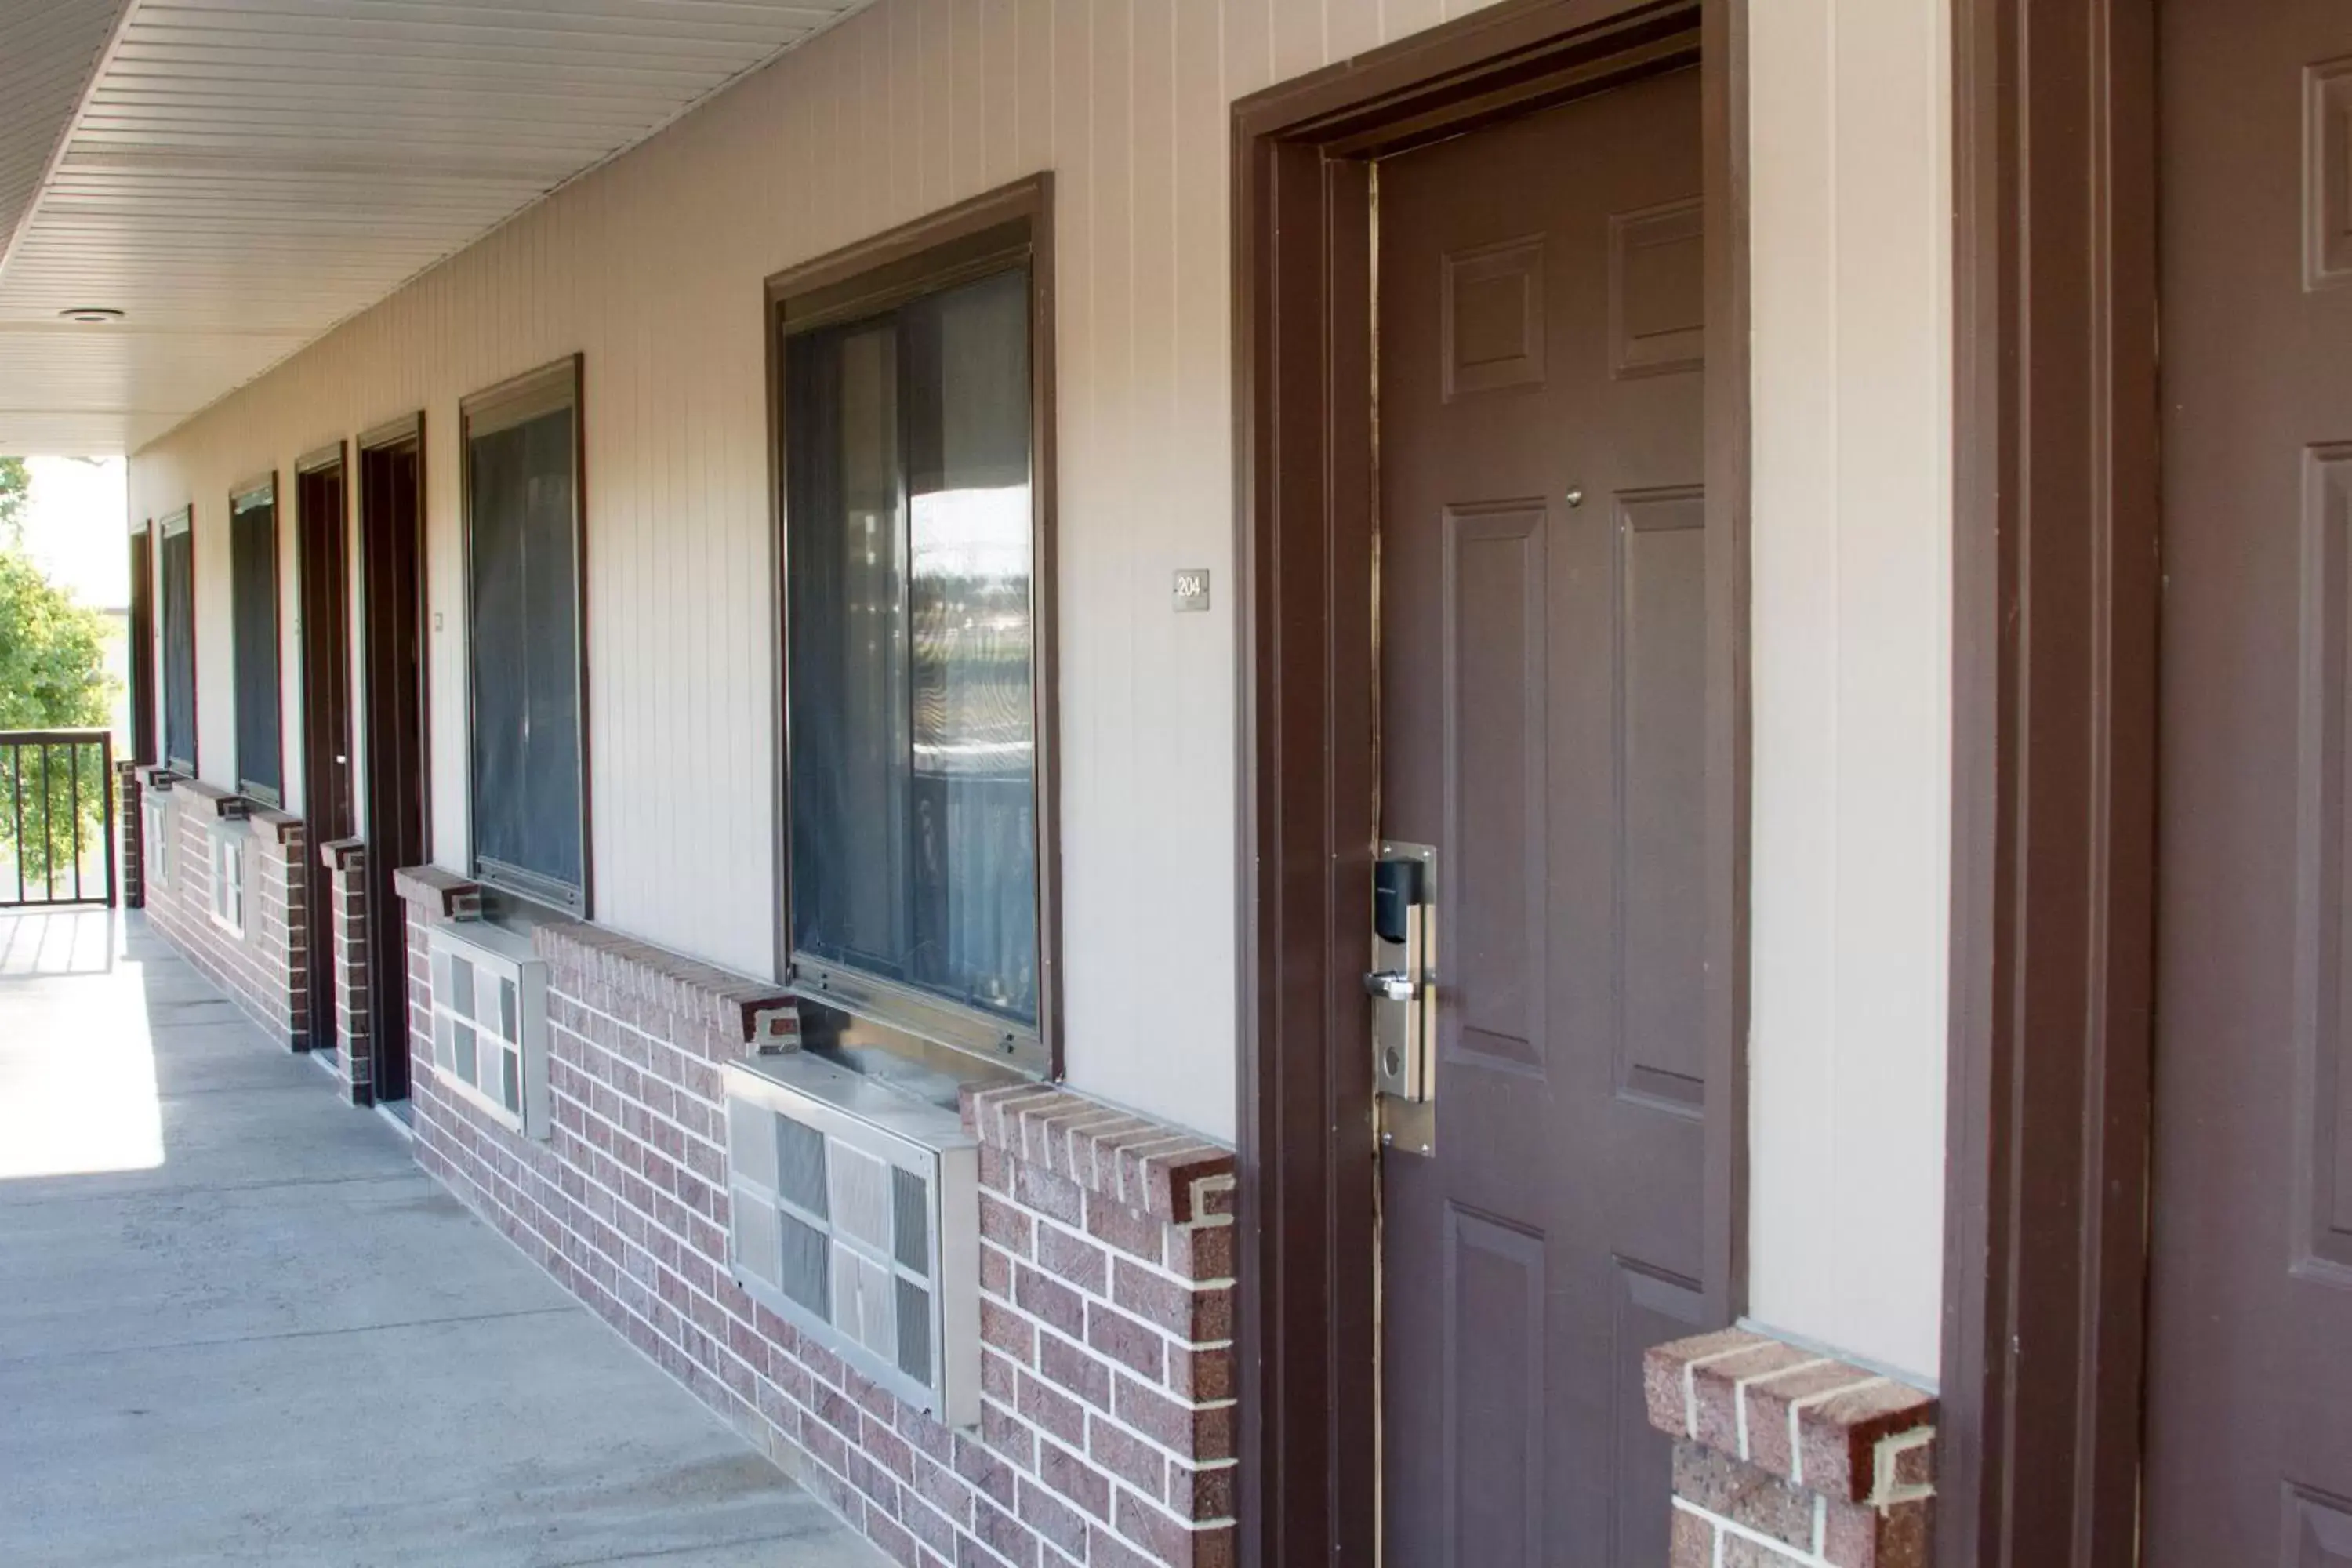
(522, 532)
(909, 531)
(179, 643)
(253, 586)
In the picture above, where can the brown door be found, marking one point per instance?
(2250, 1386)
(1543, 620)
(322, 539)
(141, 644)
(391, 607)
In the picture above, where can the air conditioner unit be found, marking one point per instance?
(855, 1215)
(489, 1022)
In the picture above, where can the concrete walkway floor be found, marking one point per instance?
(239, 1325)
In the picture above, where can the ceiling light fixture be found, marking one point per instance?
(91, 313)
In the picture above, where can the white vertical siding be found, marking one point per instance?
(652, 266)
(1851, 235)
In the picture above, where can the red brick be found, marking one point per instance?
(1663, 1371)
(1202, 1252)
(1128, 1457)
(1201, 1374)
(1066, 1256)
(1132, 1343)
(1052, 1517)
(1716, 1385)
(1841, 1435)
(1196, 1315)
(1057, 1196)
(1006, 1226)
(1768, 1409)
(1051, 1301)
(1197, 1434)
(1072, 1369)
(981, 1468)
(1127, 1230)
(1052, 1411)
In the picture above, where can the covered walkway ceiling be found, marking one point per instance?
(237, 176)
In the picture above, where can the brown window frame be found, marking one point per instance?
(557, 385)
(146, 724)
(918, 259)
(167, 528)
(240, 499)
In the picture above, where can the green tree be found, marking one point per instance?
(52, 677)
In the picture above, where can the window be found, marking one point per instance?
(915, 534)
(252, 618)
(180, 641)
(155, 835)
(229, 879)
(489, 1022)
(527, 666)
(142, 643)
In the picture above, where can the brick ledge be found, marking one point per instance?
(444, 895)
(759, 1013)
(1832, 1427)
(1177, 1177)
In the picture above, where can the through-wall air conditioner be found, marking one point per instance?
(856, 1215)
(489, 1022)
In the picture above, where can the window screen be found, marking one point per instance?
(179, 571)
(523, 542)
(253, 582)
(910, 537)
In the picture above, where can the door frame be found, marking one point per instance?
(322, 543)
(2057, 489)
(405, 775)
(1306, 487)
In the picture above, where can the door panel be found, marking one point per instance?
(1543, 604)
(2249, 1382)
(391, 602)
(322, 531)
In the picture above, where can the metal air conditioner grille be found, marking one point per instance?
(856, 1215)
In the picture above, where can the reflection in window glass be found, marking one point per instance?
(910, 531)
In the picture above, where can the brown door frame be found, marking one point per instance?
(322, 574)
(2054, 640)
(392, 777)
(1305, 478)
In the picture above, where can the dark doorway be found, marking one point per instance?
(1543, 725)
(141, 638)
(392, 610)
(2250, 1301)
(1491, 334)
(323, 555)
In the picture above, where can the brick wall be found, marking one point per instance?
(129, 865)
(1788, 1459)
(1105, 1274)
(346, 863)
(261, 969)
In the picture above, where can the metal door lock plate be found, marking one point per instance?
(1403, 985)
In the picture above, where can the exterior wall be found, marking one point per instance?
(651, 266)
(261, 970)
(1107, 1434)
(1851, 229)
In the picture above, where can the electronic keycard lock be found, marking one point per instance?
(1403, 985)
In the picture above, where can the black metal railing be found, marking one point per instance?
(57, 817)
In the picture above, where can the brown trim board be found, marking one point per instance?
(1305, 490)
(2055, 596)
